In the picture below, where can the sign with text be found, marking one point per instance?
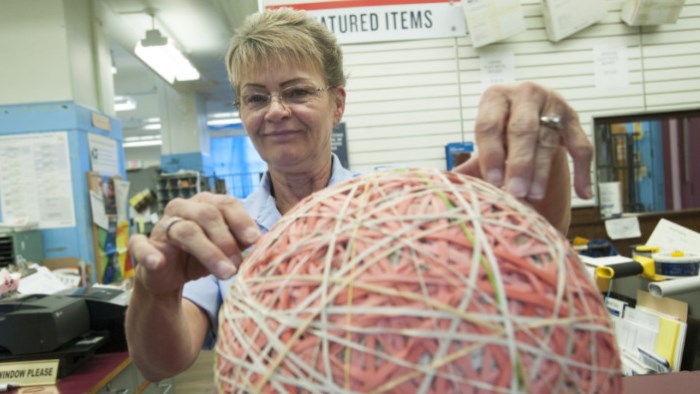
(339, 144)
(361, 21)
(29, 373)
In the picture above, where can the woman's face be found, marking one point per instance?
(291, 130)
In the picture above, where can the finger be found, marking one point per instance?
(523, 134)
(144, 253)
(235, 216)
(208, 212)
(239, 222)
(469, 167)
(581, 150)
(489, 133)
(547, 145)
(189, 236)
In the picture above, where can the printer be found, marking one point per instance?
(41, 323)
(107, 310)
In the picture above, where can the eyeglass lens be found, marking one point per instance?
(293, 95)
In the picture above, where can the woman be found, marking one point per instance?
(286, 70)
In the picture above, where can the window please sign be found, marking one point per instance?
(361, 21)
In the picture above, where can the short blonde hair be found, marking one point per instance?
(280, 36)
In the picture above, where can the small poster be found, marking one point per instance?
(339, 144)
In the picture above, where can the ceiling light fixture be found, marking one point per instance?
(224, 119)
(138, 142)
(151, 126)
(161, 54)
(124, 103)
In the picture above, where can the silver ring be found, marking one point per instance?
(551, 121)
(169, 222)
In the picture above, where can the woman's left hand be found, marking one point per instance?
(517, 151)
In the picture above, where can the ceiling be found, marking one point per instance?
(201, 28)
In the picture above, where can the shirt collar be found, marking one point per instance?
(262, 206)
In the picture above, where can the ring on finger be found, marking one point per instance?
(168, 223)
(551, 121)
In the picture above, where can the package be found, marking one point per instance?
(651, 12)
(490, 21)
(563, 18)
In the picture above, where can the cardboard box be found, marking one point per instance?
(490, 21)
(563, 18)
(67, 264)
(651, 12)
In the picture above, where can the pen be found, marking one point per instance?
(4, 387)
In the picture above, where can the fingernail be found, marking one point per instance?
(151, 261)
(251, 234)
(495, 177)
(536, 191)
(225, 269)
(588, 192)
(236, 259)
(516, 187)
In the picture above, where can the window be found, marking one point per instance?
(655, 158)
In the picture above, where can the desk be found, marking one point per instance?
(107, 373)
(672, 383)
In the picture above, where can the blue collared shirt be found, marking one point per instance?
(209, 292)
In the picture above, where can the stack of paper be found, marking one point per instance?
(491, 21)
(644, 334)
(563, 18)
(651, 12)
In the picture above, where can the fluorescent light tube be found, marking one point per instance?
(224, 121)
(152, 126)
(134, 142)
(164, 58)
(139, 144)
(124, 103)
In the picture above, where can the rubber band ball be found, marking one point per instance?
(414, 281)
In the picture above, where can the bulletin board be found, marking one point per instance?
(110, 227)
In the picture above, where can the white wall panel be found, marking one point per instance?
(408, 130)
(407, 99)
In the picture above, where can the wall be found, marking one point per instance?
(406, 100)
(36, 33)
(149, 156)
(54, 50)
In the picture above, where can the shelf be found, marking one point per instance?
(179, 185)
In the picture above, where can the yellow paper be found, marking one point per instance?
(122, 236)
(666, 341)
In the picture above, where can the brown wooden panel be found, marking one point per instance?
(586, 223)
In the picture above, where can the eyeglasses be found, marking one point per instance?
(293, 95)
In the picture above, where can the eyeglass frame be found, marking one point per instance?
(282, 101)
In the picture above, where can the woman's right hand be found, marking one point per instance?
(206, 237)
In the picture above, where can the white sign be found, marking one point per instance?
(497, 67)
(623, 228)
(384, 20)
(610, 194)
(121, 194)
(611, 67)
(104, 158)
(35, 179)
